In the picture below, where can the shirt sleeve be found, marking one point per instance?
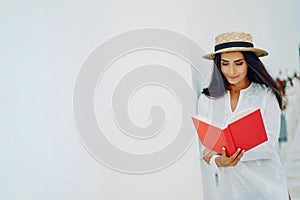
(203, 110)
(203, 105)
(214, 164)
(271, 117)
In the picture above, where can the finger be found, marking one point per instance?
(211, 154)
(206, 160)
(233, 157)
(224, 152)
(208, 157)
(206, 151)
(238, 158)
(241, 155)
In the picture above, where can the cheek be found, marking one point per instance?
(223, 70)
(244, 70)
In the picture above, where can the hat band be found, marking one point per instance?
(233, 44)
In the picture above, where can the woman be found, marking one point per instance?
(240, 81)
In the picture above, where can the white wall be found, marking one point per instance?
(44, 44)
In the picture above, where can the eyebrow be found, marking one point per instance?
(233, 61)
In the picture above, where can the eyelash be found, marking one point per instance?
(225, 64)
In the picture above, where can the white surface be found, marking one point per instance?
(43, 45)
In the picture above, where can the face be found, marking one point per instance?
(235, 68)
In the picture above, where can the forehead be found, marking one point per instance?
(234, 55)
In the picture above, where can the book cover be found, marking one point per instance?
(244, 130)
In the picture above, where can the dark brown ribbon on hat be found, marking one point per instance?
(233, 44)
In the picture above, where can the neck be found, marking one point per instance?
(235, 88)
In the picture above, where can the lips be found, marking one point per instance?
(232, 77)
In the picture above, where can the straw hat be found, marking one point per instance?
(234, 41)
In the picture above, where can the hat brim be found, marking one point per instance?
(259, 52)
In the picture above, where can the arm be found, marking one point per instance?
(217, 160)
(205, 153)
(202, 110)
(211, 157)
(271, 116)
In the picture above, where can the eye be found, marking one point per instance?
(224, 64)
(239, 63)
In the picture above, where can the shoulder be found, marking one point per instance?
(203, 100)
(206, 105)
(257, 95)
(209, 103)
(265, 94)
(262, 90)
(208, 99)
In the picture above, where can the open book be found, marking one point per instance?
(244, 130)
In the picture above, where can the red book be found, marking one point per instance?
(244, 130)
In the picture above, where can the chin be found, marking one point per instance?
(232, 82)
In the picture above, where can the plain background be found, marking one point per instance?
(43, 45)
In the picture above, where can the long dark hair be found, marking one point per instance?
(256, 73)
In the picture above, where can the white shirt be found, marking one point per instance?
(259, 174)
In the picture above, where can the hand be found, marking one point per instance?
(233, 160)
(207, 154)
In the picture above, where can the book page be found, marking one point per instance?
(210, 121)
(241, 114)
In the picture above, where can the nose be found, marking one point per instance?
(231, 70)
